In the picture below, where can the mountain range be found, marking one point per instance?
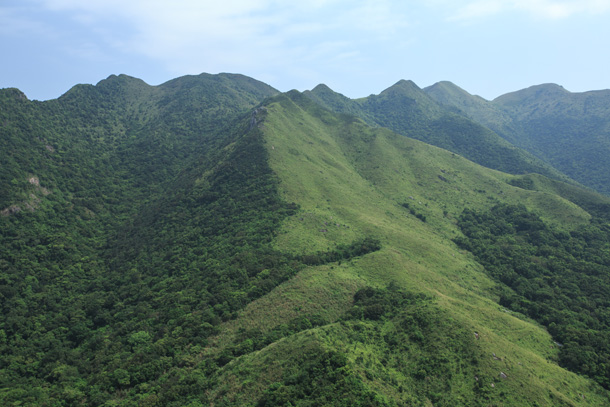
(566, 130)
(212, 241)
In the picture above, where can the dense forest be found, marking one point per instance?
(558, 278)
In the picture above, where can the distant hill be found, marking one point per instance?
(408, 110)
(570, 131)
(472, 106)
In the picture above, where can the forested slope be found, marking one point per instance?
(89, 182)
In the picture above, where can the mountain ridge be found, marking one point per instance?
(569, 131)
(408, 110)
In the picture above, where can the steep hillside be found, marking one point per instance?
(120, 128)
(408, 110)
(351, 180)
(88, 183)
(193, 244)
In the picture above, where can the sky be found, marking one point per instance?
(356, 47)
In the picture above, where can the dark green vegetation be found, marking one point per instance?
(409, 330)
(560, 279)
(131, 231)
(209, 241)
(569, 131)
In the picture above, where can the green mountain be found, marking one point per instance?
(474, 107)
(569, 131)
(338, 103)
(210, 241)
(408, 110)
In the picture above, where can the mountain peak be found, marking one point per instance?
(323, 91)
(545, 90)
(549, 87)
(119, 80)
(406, 93)
(13, 93)
(445, 85)
(321, 88)
(404, 84)
(446, 92)
(404, 88)
(204, 83)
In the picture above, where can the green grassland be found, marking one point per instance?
(351, 180)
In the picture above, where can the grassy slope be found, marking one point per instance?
(350, 180)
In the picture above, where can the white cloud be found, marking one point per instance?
(190, 36)
(561, 9)
(12, 23)
(546, 9)
(478, 9)
(377, 16)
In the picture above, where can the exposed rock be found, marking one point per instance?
(254, 121)
(11, 210)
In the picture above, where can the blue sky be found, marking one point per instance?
(357, 47)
